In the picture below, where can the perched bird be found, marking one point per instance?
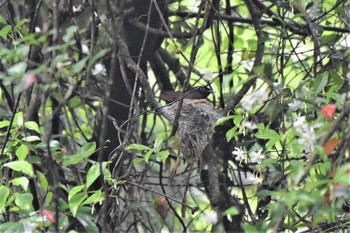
(194, 93)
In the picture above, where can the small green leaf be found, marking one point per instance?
(320, 82)
(21, 181)
(250, 228)
(22, 152)
(138, 147)
(342, 175)
(20, 23)
(98, 55)
(267, 134)
(231, 133)
(32, 125)
(80, 65)
(24, 201)
(31, 139)
(159, 142)
(163, 155)
(21, 166)
(4, 124)
(75, 202)
(74, 191)
(87, 150)
(5, 31)
(87, 222)
(223, 119)
(237, 120)
(4, 193)
(92, 174)
(231, 211)
(94, 198)
(138, 160)
(42, 181)
(148, 155)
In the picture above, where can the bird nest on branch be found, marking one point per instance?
(195, 125)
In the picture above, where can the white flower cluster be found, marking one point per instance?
(307, 134)
(255, 157)
(295, 105)
(256, 97)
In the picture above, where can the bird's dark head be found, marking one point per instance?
(199, 92)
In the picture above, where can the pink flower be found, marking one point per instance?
(30, 80)
(49, 216)
(328, 111)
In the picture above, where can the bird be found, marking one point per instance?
(194, 93)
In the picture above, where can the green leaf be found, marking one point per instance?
(22, 152)
(320, 82)
(342, 175)
(21, 166)
(237, 120)
(94, 198)
(148, 155)
(31, 139)
(138, 147)
(74, 191)
(88, 224)
(32, 125)
(87, 150)
(5, 31)
(231, 133)
(163, 155)
(4, 193)
(2, 20)
(75, 202)
(159, 142)
(80, 65)
(4, 124)
(42, 181)
(223, 119)
(24, 201)
(21, 181)
(267, 134)
(231, 211)
(70, 32)
(99, 54)
(137, 160)
(92, 174)
(250, 228)
(20, 23)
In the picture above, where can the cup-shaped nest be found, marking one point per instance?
(195, 125)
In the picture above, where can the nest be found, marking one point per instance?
(195, 125)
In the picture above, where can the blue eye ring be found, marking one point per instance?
(202, 89)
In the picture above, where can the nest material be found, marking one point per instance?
(195, 125)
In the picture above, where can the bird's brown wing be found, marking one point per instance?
(170, 96)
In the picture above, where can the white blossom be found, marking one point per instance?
(210, 218)
(257, 157)
(207, 74)
(258, 96)
(98, 69)
(255, 179)
(307, 133)
(295, 105)
(249, 125)
(239, 153)
(300, 124)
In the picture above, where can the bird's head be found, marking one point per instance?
(199, 92)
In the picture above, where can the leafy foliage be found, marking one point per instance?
(85, 146)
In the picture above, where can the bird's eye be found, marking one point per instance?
(202, 89)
